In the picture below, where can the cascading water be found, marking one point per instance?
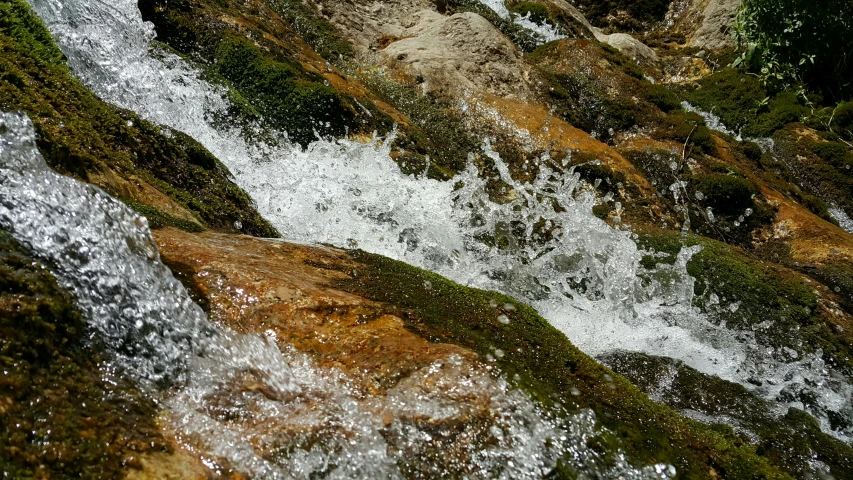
(269, 412)
(584, 276)
(544, 31)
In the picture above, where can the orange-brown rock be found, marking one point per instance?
(256, 285)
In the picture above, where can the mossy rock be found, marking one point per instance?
(583, 104)
(279, 90)
(761, 292)
(823, 169)
(550, 368)
(62, 416)
(82, 136)
(265, 81)
(744, 104)
(661, 97)
(436, 130)
(321, 35)
(726, 194)
(792, 441)
(687, 128)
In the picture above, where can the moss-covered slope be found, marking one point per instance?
(84, 137)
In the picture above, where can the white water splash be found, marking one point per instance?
(272, 414)
(544, 31)
(583, 276)
(844, 221)
(711, 121)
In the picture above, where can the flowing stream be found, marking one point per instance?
(271, 412)
(585, 277)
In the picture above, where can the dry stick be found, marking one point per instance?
(684, 149)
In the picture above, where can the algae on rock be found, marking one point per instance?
(84, 137)
(62, 414)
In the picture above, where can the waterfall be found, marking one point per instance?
(103, 252)
(585, 277)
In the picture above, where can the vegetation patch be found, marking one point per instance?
(82, 136)
(159, 219)
(62, 416)
(686, 128)
(283, 93)
(744, 104)
(254, 58)
(824, 169)
(436, 130)
(799, 42)
(314, 29)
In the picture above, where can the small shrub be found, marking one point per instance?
(795, 41)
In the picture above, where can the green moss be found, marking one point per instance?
(625, 64)
(726, 194)
(583, 104)
(18, 22)
(278, 89)
(314, 29)
(628, 15)
(786, 440)
(550, 367)
(751, 150)
(838, 276)
(743, 103)
(266, 84)
(436, 129)
(62, 416)
(686, 127)
(823, 169)
(661, 97)
(82, 136)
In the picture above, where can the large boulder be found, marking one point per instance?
(459, 55)
(715, 31)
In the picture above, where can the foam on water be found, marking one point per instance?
(544, 31)
(541, 243)
(271, 413)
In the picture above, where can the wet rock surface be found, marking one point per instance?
(704, 156)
